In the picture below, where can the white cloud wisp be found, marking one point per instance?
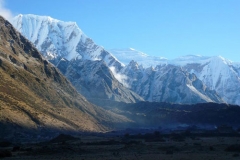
(120, 77)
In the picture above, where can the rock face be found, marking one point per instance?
(168, 83)
(35, 96)
(57, 39)
(65, 45)
(216, 73)
(220, 75)
(95, 81)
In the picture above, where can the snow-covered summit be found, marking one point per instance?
(129, 54)
(218, 74)
(49, 35)
(59, 39)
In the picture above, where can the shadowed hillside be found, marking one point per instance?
(167, 115)
(34, 95)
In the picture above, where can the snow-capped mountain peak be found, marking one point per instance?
(51, 36)
(56, 39)
(218, 74)
(138, 52)
(226, 61)
(129, 54)
(90, 68)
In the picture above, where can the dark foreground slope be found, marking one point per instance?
(172, 116)
(35, 96)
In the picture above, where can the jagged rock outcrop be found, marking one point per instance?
(168, 83)
(96, 82)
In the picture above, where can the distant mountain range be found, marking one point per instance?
(187, 79)
(216, 73)
(168, 83)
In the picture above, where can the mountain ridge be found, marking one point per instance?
(191, 64)
(168, 83)
(216, 72)
(58, 40)
(35, 96)
(55, 38)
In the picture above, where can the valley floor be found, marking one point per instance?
(127, 147)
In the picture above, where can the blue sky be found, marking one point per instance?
(166, 28)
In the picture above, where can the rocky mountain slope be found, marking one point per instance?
(168, 83)
(58, 41)
(95, 81)
(217, 73)
(35, 96)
